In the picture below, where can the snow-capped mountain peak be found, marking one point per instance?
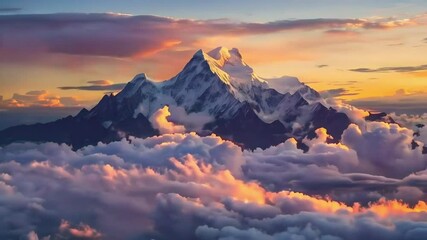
(229, 65)
(218, 87)
(223, 55)
(231, 62)
(220, 72)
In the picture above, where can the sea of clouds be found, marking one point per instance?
(371, 185)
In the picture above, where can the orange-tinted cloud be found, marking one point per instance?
(160, 121)
(40, 98)
(82, 231)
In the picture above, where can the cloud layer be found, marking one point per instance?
(401, 102)
(183, 186)
(122, 36)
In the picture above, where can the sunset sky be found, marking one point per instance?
(215, 152)
(68, 54)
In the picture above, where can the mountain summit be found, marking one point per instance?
(216, 92)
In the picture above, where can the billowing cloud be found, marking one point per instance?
(192, 121)
(355, 114)
(160, 121)
(416, 122)
(177, 116)
(183, 186)
(364, 160)
(38, 98)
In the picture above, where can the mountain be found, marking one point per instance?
(218, 87)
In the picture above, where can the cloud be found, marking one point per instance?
(416, 122)
(403, 69)
(192, 121)
(336, 92)
(401, 102)
(97, 85)
(376, 157)
(410, 120)
(100, 82)
(342, 33)
(38, 98)
(356, 115)
(32, 236)
(82, 231)
(111, 35)
(184, 186)
(363, 160)
(160, 121)
(322, 65)
(395, 44)
(127, 36)
(9, 9)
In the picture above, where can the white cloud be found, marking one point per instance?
(184, 186)
(160, 121)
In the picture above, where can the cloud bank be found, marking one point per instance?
(184, 186)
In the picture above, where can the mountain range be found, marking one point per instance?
(216, 92)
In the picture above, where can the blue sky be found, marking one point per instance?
(249, 10)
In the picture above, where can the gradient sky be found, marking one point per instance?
(60, 54)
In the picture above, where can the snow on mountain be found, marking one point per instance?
(219, 88)
(217, 83)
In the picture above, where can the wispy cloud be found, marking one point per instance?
(322, 66)
(97, 85)
(337, 92)
(9, 9)
(391, 69)
(395, 44)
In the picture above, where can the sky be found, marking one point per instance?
(57, 57)
(65, 55)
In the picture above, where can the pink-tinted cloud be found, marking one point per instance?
(184, 186)
(118, 35)
(82, 231)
